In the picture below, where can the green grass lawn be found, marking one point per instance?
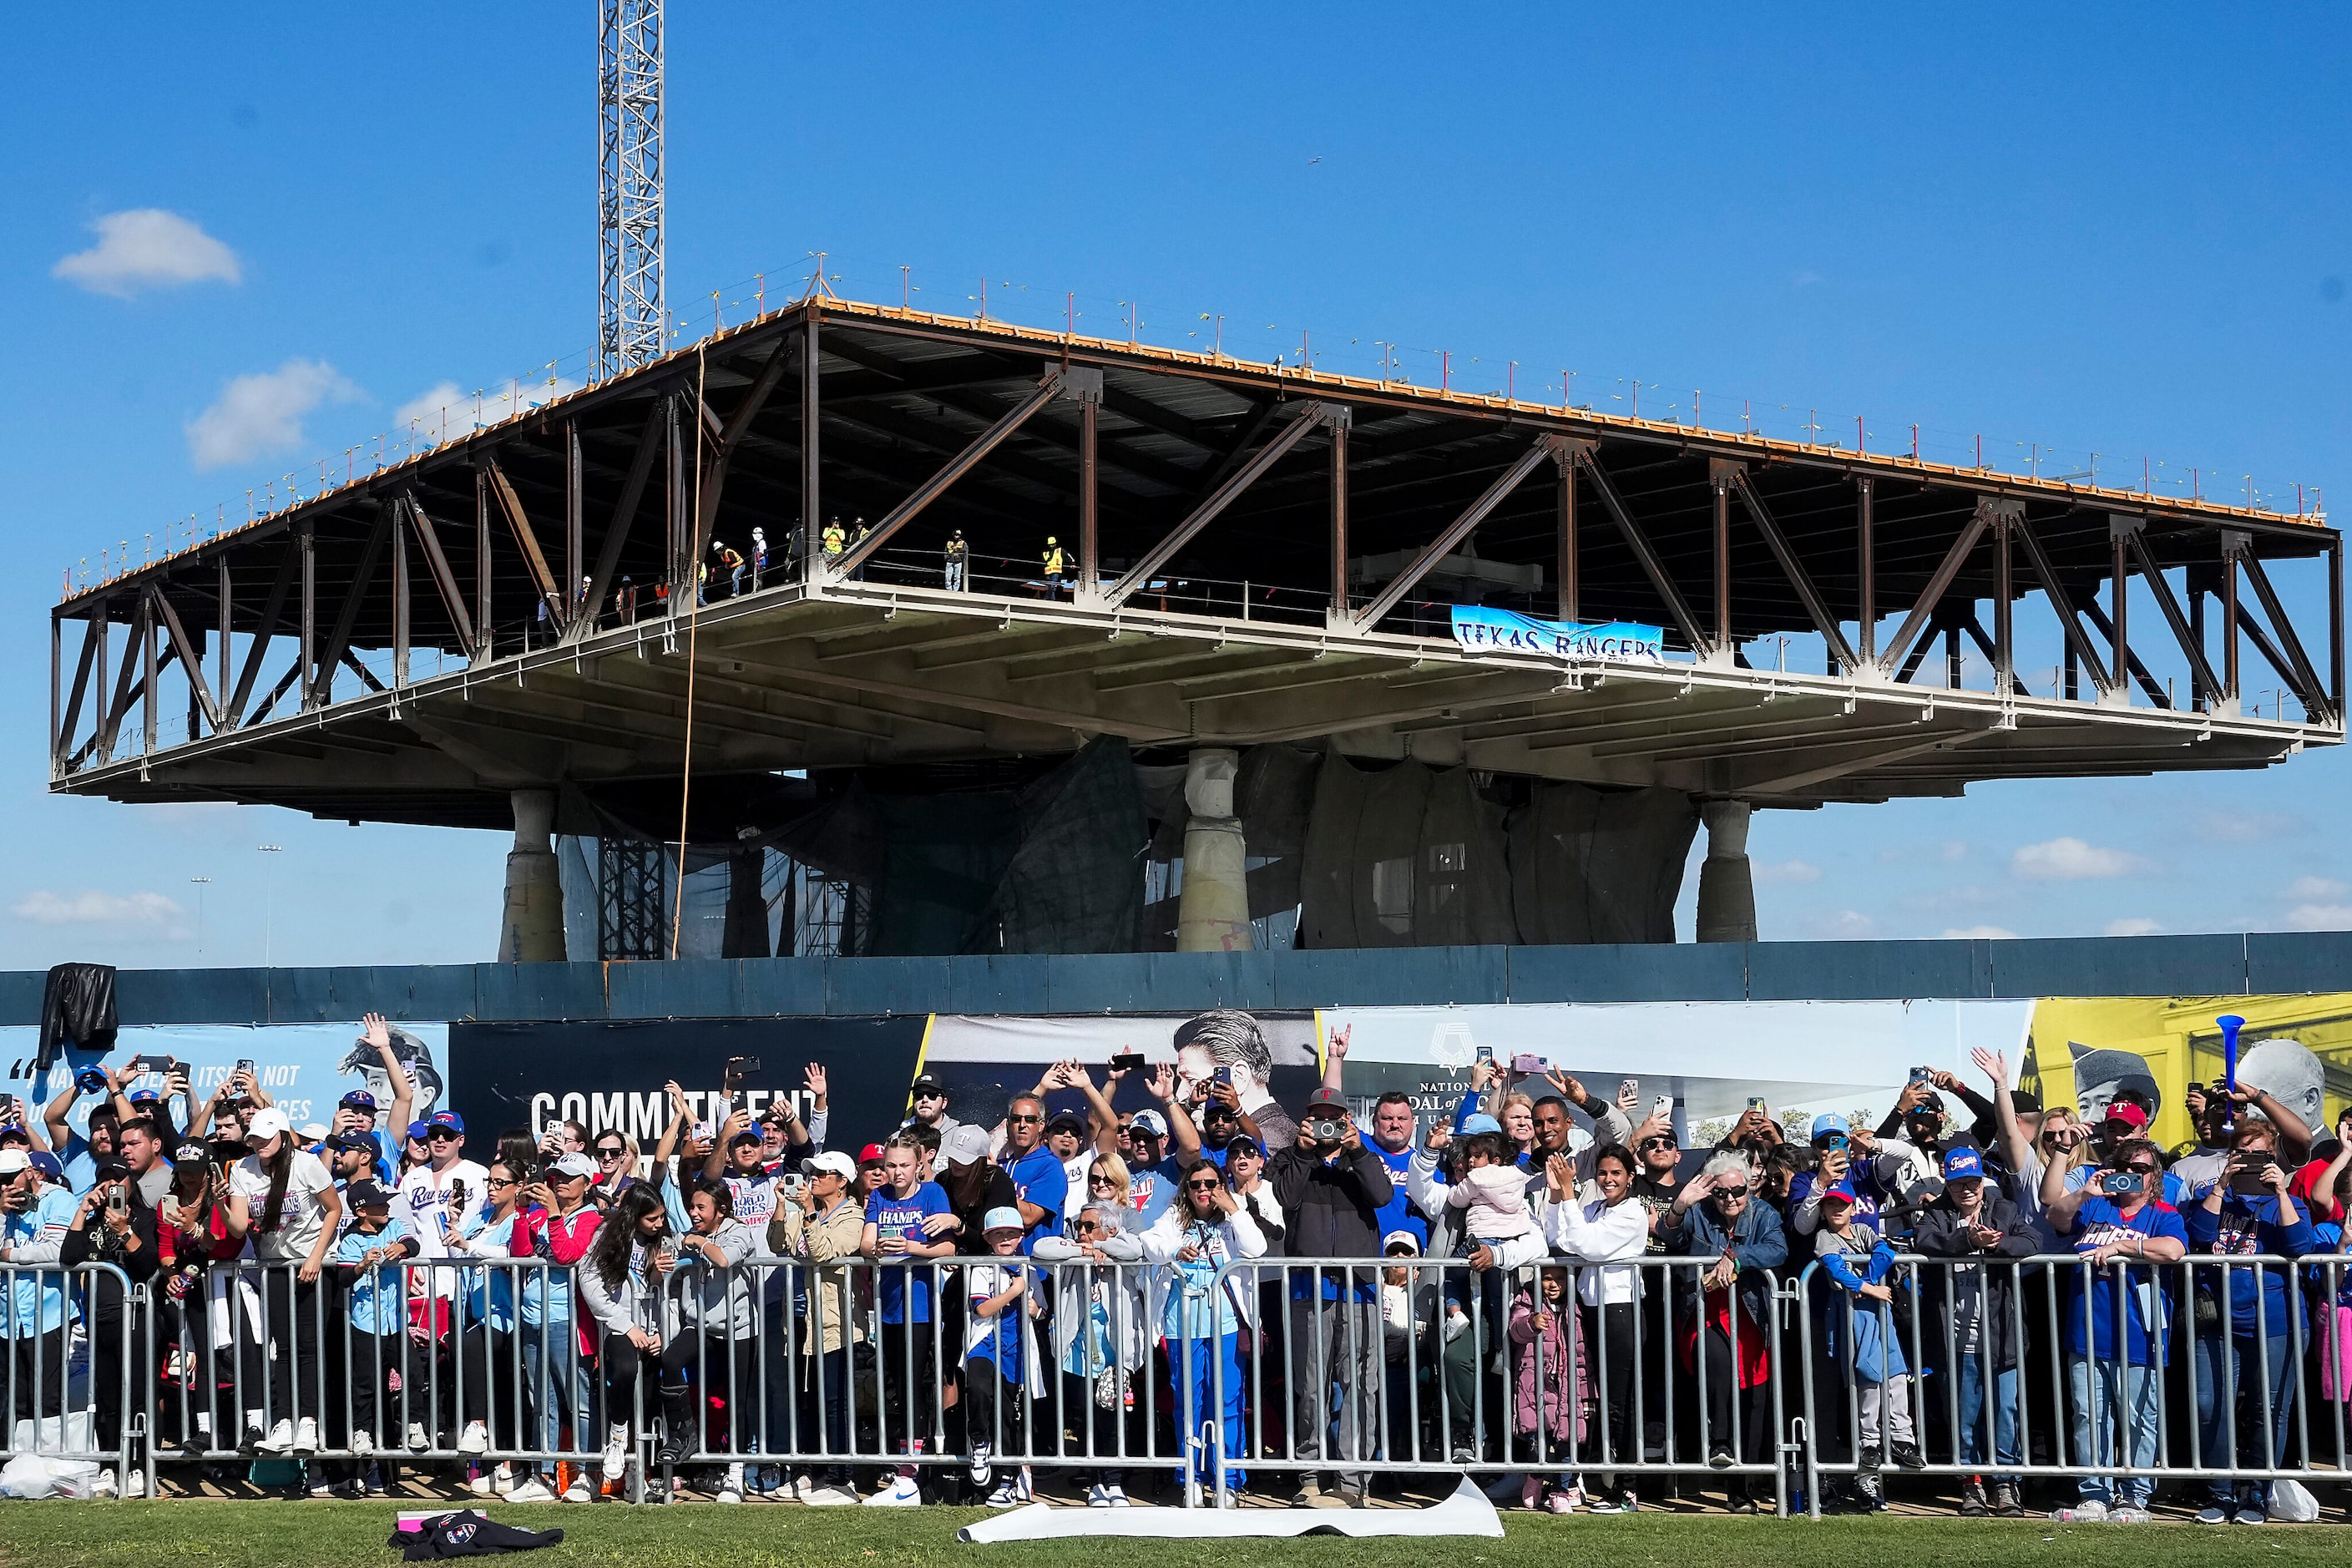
(321, 1534)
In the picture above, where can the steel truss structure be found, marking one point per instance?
(1260, 553)
(631, 326)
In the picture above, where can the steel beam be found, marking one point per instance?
(2119, 588)
(437, 566)
(2003, 650)
(987, 441)
(1564, 528)
(308, 540)
(2079, 649)
(2200, 668)
(2233, 544)
(1866, 564)
(272, 610)
(485, 637)
(1306, 417)
(347, 618)
(1736, 475)
(189, 660)
(400, 592)
(2133, 668)
(1585, 453)
(227, 623)
(726, 437)
(1940, 584)
(2305, 679)
(617, 533)
(1337, 611)
(512, 504)
(69, 719)
(812, 523)
(1090, 509)
(574, 552)
(1542, 449)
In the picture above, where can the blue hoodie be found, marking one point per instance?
(2244, 1229)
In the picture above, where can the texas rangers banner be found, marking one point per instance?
(1481, 630)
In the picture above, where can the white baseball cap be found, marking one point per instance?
(965, 1144)
(13, 1161)
(268, 1122)
(833, 1159)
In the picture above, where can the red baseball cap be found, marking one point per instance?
(2130, 1115)
(871, 1153)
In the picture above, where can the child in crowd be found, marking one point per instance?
(364, 1257)
(1855, 1257)
(1548, 1400)
(908, 1218)
(996, 1361)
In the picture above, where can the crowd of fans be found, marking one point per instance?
(1541, 1284)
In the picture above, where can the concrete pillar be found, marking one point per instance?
(1212, 909)
(1726, 890)
(533, 932)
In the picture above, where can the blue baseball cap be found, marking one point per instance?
(1963, 1161)
(449, 1122)
(1841, 1190)
(419, 1129)
(146, 1097)
(1479, 1121)
(1828, 1124)
(48, 1164)
(359, 1099)
(999, 1220)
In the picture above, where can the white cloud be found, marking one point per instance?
(2248, 826)
(146, 247)
(2132, 925)
(2314, 890)
(259, 414)
(44, 907)
(1847, 925)
(1979, 933)
(1786, 871)
(2071, 860)
(2320, 917)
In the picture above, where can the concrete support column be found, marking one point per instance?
(533, 932)
(1212, 909)
(1726, 889)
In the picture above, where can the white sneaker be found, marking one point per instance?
(902, 1492)
(731, 1487)
(136, 1485)
(829, 1497)
(531, 1489)
(980, 1470)
(475, 1439)
(479, 1483)
(616, 1452)
(502, 1481)
(306, 1436)
(2086, 1512)
(803, 1487)
(418, 1438)
(363, 1444)
(580, 1490)
(1013, 1490)
(1097, 1496)
(280, 1438)
(102, 1484)
(1116, 1493)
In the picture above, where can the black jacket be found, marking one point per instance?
(77, 1008)
(94, 1243)
(1941, 1233)
(1331, 1210)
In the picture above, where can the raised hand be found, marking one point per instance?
(813, 1079)
(1629, 1097)
(1336, 1045)
(1161, 1083)
(375, 1031)
(1994, 1065)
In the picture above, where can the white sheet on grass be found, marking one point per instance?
(1466, 1512)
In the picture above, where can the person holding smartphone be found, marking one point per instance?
(2247, 1210)
(2117, 1217)
(116, 1225)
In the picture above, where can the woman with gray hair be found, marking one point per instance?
(1101, 1340)
(1725, 1310)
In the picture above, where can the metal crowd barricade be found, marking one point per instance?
(67, 1376)
(1442, 1390)
(2196, 1404)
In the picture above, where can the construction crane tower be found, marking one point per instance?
(629, 314)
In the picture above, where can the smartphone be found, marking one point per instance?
(244, 1065)
(740, 1068)
(118, 1201)
(1485, 1053)
(458, 1195)
(2254, 1180)
(1755, 1102)
(1662, 1108)
(2119, 1184)
(1527, 1065)
(1224, 1076)
(1919, 1075)
(11, 1107)
(1128, 1061)
(1628, 1088)
(167, 1066)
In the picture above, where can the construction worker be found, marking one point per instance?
(1056, 565)
(833, 542)
(856, 538)
(759, 557)
(732, 562)
(958, 553)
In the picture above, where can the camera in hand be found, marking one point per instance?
(738, 1068)
(2119, 1184)
(1327, 1128)
(1127, 1061)
(2252, 1179)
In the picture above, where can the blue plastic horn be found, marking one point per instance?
(2230, 1024)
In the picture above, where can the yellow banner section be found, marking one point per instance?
(2298, 1047)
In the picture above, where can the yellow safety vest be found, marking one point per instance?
(1053, 561)
(833, 542)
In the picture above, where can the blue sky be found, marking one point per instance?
(2111, 229)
